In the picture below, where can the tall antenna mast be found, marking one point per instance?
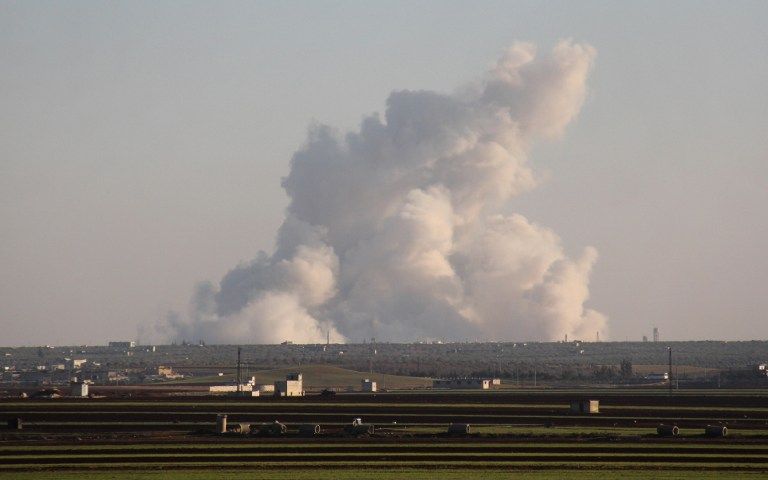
(670, 369)
(239, 382)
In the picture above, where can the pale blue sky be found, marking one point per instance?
(142, 146)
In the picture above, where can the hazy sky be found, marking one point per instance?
(142, 146)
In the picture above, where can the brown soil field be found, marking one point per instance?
(531, 409)
(400, 459)
(321, 446)
(641, 397)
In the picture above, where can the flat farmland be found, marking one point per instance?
(531, 433)
(743, 413)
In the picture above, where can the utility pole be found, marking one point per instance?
(669, 349)
(239, 383)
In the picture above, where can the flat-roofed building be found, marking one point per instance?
(292, 386)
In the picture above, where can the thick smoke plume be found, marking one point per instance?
(395, 231)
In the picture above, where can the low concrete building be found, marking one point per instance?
(122, 344)
(368, 385)
(264, 389)
(292, 386)
(229, 388)
(585, 406)
(463, 383)
(79, 389)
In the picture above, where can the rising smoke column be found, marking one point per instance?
(395, 231)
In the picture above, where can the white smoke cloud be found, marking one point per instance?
(394, 231)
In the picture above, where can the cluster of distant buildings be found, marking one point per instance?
(292, 386)
(75, 369)
(81, 371)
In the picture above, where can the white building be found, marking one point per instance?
(78, 362)
(292, 386)
(229, 388)
(368, 385)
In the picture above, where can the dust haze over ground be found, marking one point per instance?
(396, 231)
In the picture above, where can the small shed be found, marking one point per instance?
(368, 385)
(585, 407)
